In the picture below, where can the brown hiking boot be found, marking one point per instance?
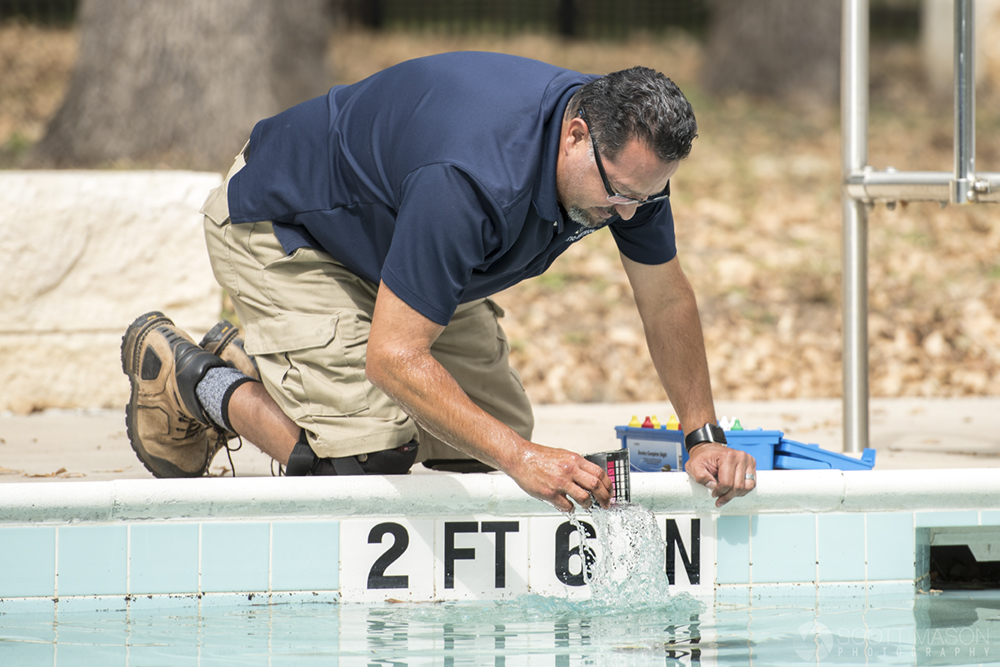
(168, 429)
(224, 342)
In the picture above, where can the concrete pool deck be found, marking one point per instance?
(908, 433)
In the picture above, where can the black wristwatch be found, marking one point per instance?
(707, 433)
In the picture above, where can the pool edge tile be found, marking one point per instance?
(28, 558)
(840, 548)
(157, 602)
(92, 560)
(890, 550)
(13, 606)
(732, 549)
(91, 604)
(235, 557)
(163, 559)
(783, 548)
(301, 556)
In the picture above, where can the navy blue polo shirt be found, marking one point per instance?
(437, 176)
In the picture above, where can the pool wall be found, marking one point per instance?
(162, 543)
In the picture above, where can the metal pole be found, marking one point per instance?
(963, 190)
(854, 126)
(890, 186)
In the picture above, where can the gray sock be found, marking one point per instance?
(214, 392)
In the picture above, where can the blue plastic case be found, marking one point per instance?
(662, 450)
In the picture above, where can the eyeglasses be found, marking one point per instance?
(613, 196)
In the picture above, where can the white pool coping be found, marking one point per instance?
(493, 494)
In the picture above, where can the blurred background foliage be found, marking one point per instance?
(593, 19)
(757, 204)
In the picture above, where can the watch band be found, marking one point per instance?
(707, 433)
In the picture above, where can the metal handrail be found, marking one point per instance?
(864, 186)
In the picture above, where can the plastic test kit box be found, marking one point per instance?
(662, 450)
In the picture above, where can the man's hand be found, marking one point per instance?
(723, 470)
(557, 475)
(400, 363)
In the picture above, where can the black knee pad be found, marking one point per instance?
(303, 461)
(391, 461)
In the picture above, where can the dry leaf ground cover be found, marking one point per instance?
(757, 207)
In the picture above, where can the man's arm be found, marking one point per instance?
(670, 318)
(399, 362)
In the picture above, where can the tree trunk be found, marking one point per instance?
(181, 83)
(775, 48)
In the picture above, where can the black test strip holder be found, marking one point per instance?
(616, 463)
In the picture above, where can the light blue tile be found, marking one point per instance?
(732, 550)
(173, 655)
(945, 519)
(141, 604)
(90, 604)
(989, 518)
(235, 557)
(841, 547)
(88, 642)
(234, 601)
(215, 650)
(28, 652)
(25, 634)
(884, 597)
(319, 599)
(783, 548)
(92, 560)
(27, 562)
(732, 595)
(166, 638)
(163, 558)
(802, 595)
(890, 553)
(27, 606)
(305, 556)
(840, 596)
(217, 635)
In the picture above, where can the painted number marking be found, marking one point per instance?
(377, 577)
(472, 558)
(564, 553)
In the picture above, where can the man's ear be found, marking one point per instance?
(575, 132)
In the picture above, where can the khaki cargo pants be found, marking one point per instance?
(306, 320)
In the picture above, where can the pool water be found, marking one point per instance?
(949, 629)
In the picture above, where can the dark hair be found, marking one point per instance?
(638, 102)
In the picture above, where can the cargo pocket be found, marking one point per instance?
(216, 206)
(315, 362)
(495, 307)
(217, 229)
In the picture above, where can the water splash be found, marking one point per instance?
(629, 569)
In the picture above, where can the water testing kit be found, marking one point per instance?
(663, 450)
(617, 464)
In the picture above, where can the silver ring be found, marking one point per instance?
(750, 475)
